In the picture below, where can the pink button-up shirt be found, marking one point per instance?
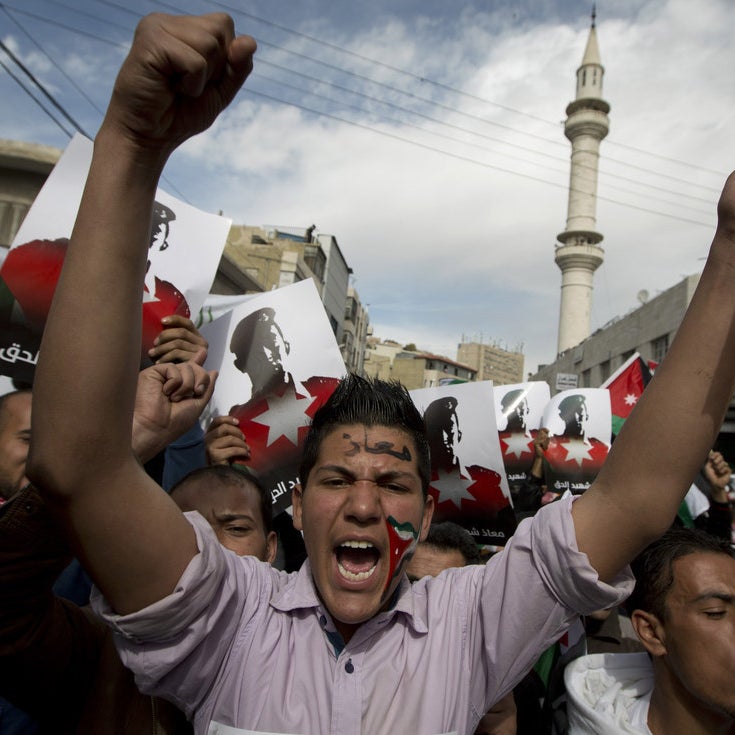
(243, 648)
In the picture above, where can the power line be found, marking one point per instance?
(467, 130)
(262, 77)
(424, 100)
(71, 29)
(42, 89)
(52, 60)
(447, 108)
(440, 85)
(468, 160)
(20, 83)
(419, 98)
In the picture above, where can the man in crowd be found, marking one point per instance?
(57, 660)
(447, 545)
(15, 436)
(344, 645)
(683, 610)
(235, 504)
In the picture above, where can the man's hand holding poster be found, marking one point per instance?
(278, 362)
(467, 476)
(579, 424)
(519, 410)
(185, 248)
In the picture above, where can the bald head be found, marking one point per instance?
(15, 437)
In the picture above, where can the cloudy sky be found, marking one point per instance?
(427, 137)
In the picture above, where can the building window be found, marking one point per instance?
(660, 347)
(585, 379)
(604, 371)
(351, 309)
(315, 258)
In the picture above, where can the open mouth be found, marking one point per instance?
(357, 560)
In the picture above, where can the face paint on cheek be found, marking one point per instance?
(403, 538)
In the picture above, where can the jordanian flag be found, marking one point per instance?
(626, 386)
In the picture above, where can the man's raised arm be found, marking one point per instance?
(666, 439)
(180, 74)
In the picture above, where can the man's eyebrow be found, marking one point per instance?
(382, 477)
(227, 517)
(339, 469)
(715, 595)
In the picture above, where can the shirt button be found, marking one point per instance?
(349, 668)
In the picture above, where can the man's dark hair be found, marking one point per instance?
(369, 402)
(654, 566)
(242, 338)
(450, 536)
(232, 475)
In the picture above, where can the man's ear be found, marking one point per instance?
(296, 497)
(427, 515)
(271, 547)
(650, 631)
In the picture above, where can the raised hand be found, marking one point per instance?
(225, 442)
(541, 443)
(169, 399)
(178, 341)
(181, 72)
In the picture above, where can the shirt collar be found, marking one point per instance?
(302, 594)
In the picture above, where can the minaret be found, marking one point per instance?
(579, 254)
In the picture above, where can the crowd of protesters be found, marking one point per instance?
(187, 599)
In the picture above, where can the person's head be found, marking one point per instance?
(514, 406)
(260, 348)
(683, 610)
(442, 430)
(235, 504)
(363, 501)
(446, 545)
(15, 437)
(573, 412)
(160, 219)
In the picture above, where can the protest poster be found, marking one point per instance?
(579, 424)
(468, 481)
(185, 248)
(278, 361)
(519, 409)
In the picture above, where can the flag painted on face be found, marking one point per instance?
(626, 386)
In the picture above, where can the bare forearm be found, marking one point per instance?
(85, 390)
(668, 435)
(179, 74)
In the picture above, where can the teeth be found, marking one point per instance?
(356, 577)
(357, 544)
